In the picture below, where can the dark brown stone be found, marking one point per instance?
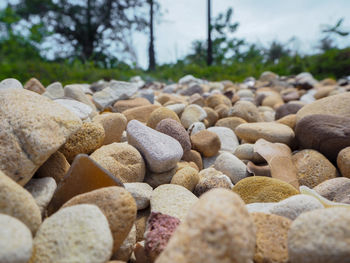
(286, 109)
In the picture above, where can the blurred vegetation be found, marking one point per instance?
(21, 57)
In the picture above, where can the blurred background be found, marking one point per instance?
(86, 40)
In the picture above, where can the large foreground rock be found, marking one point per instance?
(32, 128)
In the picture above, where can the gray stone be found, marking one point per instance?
(54, 91)
(260, 207)
(230, 165)
(196, 127)
(141, 192)
(79, 109)
(10, 84)
(147, 94)
(228, 138)
(76, 92)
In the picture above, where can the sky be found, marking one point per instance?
(261, 22)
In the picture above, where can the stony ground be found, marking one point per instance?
(195, 171)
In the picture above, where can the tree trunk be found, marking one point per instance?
(210, 47)
(151, 54)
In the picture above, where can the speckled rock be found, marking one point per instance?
(186, 177)
(270, 131)
(141, 192)
(326, 233)
(160, 228)
(161, 151)
(206, 142)
(125, 250)
(123, 105)
(86, 140)
(161, 114)
(217, 229)
(245, 110)
(34, 85)
(177, 131)
(56, 167)
(17, 202)
(230, 122)
(231, 166)
(16, 243)
(343, 162)
(245, 151)
(336, 189)
(74, 234)
(313, 168)
(42, 189)
(228, 138)
(31, 131)
(122, 160)
(210, 180)
(192, 113)
(140, 113)
(114, 124)
(257, 189)
(196, 127)
(173, 200)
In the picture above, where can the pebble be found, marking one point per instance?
(343, 162)
(245, 151)
(157, 179)
(178, 108)
(34, 85)
(141, 114)
(231, 166)
(114, 124)
(336, 189)
(192, 113)
(206, 142)
(287, 109)
(141, 192)
(211, 180)
(186, 177)
(212, 116)
(218, 228)
(230, 122)
(56, 167)
(173, 200)
(193, 156)
(54, 91)
(10, 83)
(123, 105)
(196, 127)
(81, 110)
(78, 233)
(161, 114)
(77, 93)
(228, 138)
(245, 110)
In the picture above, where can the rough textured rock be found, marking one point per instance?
(16, 243)
(217, 229)
(325, 133)
(343, 162)
(271, 238)
(177, 131)
(186, 177)
(17, 202)
(211, 180)
(114, 124)
(42, 190)
(231, 166)
(206, 142)
(193, 156)
(123, 105)
(56, 167)
(161, 114)
(161, 151)
(228, 138)
(245, 110)
(270, 131)
(140, 113)
(257, 189)
(192, 113)
(34, 85)
(86, 140)
(230, 122)
(337, 189)
(74, 234)
(31, 131)
(320, 236)
(173, 200)
(313, 168)
(141, 192)
(122, 160)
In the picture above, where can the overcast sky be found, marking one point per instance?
(261, 21)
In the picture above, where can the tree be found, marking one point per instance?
(151, 53)
(276, 51)
(89, 27)
(327, 42)
(210, 47)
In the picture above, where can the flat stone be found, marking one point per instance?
(141, 192)
(228, 138)
(161, 151)
(231, 166)
(114, 125)
(79, 109)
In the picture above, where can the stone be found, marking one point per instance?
(245, 151)
(192, 113)
(86, 140)
(123, 105)
(230, 122)
(116, 90)
(157, 179)
(308, 97)
(192, 89)
(245, 93)
(125, 250)
(305, 80)
(263, 189)
(76, 92)
(260, 207)
(313, 168)
(81, 110)
(186, 80)
(215, 100)
(209, 161)
(336, 189)
(231, 166)
(212, 116)
(141, 114)
(217, 229)
(206, 142)
(10, 83)
(17, 202)
(245, 110)
(186, 177)
(228, 138)
(141, 192)
(28, 140)
(268, 76)
(295, 205)
(195, 128)
(34, 85)
(287, 109)
(74, 234)
(343, 162)
(271, 238)
(161, 114)
(122, 160)
(85, 175)
(16, 243)
(327, 134)
(289, 120)
(160, 228)
(147, 94)
(193, 156)
(173, 200)
(270, 131)
(178, 108)
(215, 180)
(304, 238)
(196, 99)
(161, 151)
(54, 91)
(222, 110)
(117, 204)
(114, 124)
(42, 189)
(175, 130)
(56, 167)
(140, 223)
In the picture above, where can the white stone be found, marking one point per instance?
(81, 110)
(230, 165)
(196, 127)
(10, 84)
(228, 138)
(54, 91)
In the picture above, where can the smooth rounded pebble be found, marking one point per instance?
(16, 243)
(218, 228)
(206, 142)
(245, 151)
(320, 236)
(74, 234)
(336, 189)
(230, 122)
(161, 114)
(141, 192)
(192, 113)
(114, 124)
(228, 138)
(195, 128)
(56, 167)
(231, 166)
(245, 110)
(343, 162)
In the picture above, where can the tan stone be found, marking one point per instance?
(34, 85)
(206, 142)
(343, 162)
(230, 122)
(56, 167)
(140, 113)
(123, 105)
(161, 114)
(212, 116)
(186, 177)
(140, 223)
(289, 120)
(193, 156)
(245, 110)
